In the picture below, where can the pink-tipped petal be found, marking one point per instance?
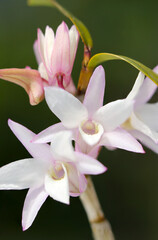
(29, 79)
(113, 114)
(58, 189)
(33, 202)
(147, 90)
(61, 51)
(47, 135)
(41, 151)
(19, 174)
(88, 165)
(74, 38)
(145, 140)
(95, 92)
(121, 139)
(37, 53)
(65, 106)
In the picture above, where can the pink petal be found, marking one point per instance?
(41, 151)
(88, 165)
(61, 51)
(147, 90)
(33, 202)
(65, 106)
(48, 46)
(29, 79)
(113, 114)
(95, 92)
(77, 181)
(121, 139)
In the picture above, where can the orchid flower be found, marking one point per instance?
(92, 124)
(143, 121)
(55, 170)
(55, 55)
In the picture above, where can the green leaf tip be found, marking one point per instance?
(84, 33)
(103, 57)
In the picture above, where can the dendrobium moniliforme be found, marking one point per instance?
(92, 124)
(143, 121)
(55, 56)
(55, 170)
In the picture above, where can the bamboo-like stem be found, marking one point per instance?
(99, 224)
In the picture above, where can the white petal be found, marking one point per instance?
(95, 92)
(147, 90)
(138, 83)
(146, 141)
(58, 189)
(92, 139)
(48, 46)
(138, 124)
(114, 114)
(74, 38)
(65, 106)
(20, 174)
(121, 139)
(88, 165)
(48, 134)
(40, 151)
(33, 202)
(61, 146)
(148, 113)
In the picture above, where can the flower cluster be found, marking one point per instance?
(59, 169)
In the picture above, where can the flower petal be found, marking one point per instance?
(61, 51)
(88, 165)
(20, 174)
(148, 113)
(40, 151)
(135, 90)
(121, 139)
(29, 79)
(77, 181)
(95, 92)
(61, 146)
(47, 135)
(139, 124)
(146, 141)
(113, 114)
(147, 90)
(33, 202)
(74, 38)
(58, 189)
(65, 106)
(37, 53)
(48, 46)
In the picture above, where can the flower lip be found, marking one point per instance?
(91, 131)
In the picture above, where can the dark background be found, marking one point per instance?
(129, 190)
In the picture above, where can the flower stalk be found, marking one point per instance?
(100, 226)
